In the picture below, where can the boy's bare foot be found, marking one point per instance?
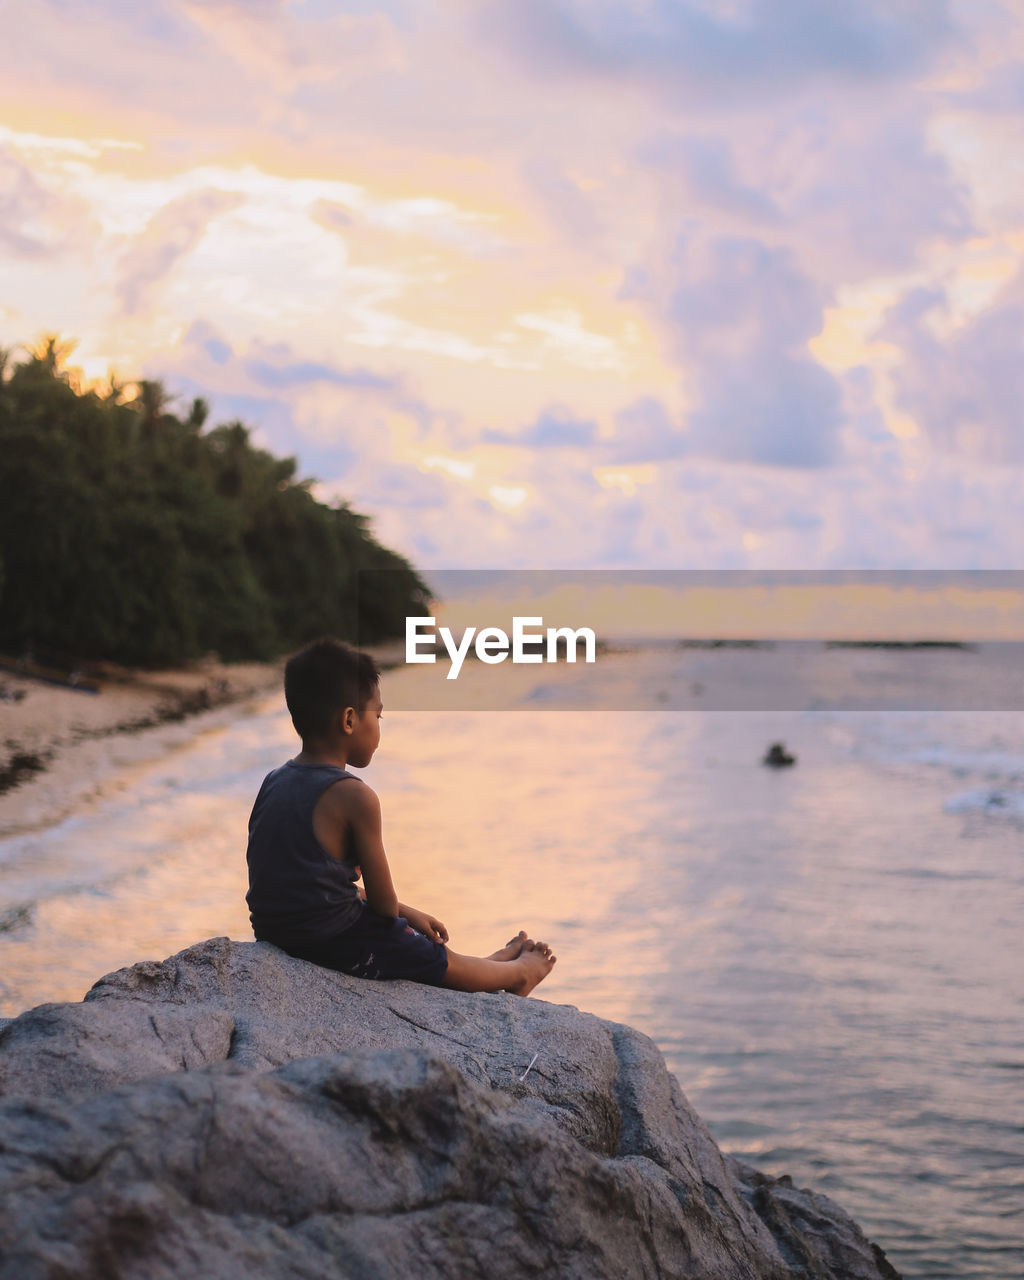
(521, 964)
(513, 948)
(534, 964)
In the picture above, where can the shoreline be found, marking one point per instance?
(61, 747)
(64, 747)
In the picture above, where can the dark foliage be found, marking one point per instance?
(131, 534)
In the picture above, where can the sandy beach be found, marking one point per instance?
(62, 748)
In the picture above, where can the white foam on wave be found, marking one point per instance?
(993, 764)
(985, 747)
(993, 800)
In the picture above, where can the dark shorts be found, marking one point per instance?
(379, 947)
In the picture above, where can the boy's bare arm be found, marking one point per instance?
(368, 848)
(351, 807)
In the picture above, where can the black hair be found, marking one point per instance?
(324, 678)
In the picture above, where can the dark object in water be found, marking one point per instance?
(21, 766)
(777, 756)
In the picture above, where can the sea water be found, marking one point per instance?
(830, 955)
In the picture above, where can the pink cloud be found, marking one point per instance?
(170, 235)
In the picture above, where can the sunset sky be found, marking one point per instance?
(553, 283)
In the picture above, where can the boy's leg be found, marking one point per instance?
(520, 976)
(385, 948)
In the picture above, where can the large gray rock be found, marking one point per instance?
(235, 1112)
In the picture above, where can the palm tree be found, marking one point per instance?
(153, 403)
(198, 412)
(51, 354)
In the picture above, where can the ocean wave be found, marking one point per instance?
(994, 800)
(992, 763)
(17, 917)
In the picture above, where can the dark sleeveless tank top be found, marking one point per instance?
(297, 891)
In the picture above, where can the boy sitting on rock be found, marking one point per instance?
(315, 827)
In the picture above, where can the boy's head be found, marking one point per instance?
(323, 679)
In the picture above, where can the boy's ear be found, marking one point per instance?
(348, 720)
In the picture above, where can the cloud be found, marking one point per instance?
(869, 192)
(708, 168)
(691, 51)
(741, 314)
(565, 203)
(355, 432)
(219, 351)
(703, 514)
(853, 189)
(645, 432)
(258, 10)
(685, 511)
(332, 216)
(117, 63)
(295, 373)
(553, 429)
(170, 235)
(35, 221)
(964, 387)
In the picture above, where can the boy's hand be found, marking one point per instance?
(425, 924)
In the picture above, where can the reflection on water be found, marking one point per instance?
(829, 956)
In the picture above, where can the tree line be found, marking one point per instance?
(133, 534)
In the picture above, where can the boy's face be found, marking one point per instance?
(364, 736)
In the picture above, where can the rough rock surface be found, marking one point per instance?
(233, 1112)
